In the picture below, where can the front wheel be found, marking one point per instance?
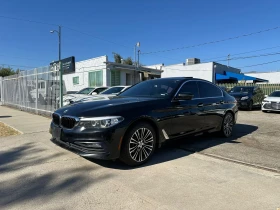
(227, 125)
(139, 145)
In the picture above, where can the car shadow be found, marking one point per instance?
(21, 182)
(174, 149)
(5, 116)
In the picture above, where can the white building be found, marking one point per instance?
(211, 71)
(100, 72)
(272, 77)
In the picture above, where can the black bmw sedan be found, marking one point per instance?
(133, 124)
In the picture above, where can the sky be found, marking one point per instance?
(96, 28)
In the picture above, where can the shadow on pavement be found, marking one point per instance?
(23, 181)
(5, 116)
(174, 149)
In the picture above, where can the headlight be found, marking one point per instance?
(100, 122)
(245, 98)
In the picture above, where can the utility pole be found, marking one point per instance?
(228, 58)
(138, 58)
(135, 63)
(60, 65)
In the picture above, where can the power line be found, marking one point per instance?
(207, 59)
(260, 64)
(213, 42)
(31, 21)
(252, 56)
(96, 37)
(24, 58)
(4, 64)
(165, 57)
(39, 22)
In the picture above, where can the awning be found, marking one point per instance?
(238, 77)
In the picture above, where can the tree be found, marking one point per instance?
(128, 61)
(118, 58)
(6, 72)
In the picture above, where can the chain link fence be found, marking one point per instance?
(34, 90)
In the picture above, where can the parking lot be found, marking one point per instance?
(205, 172)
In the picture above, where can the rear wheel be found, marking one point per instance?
(227, 125)
(139, 144)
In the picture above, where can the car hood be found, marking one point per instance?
(239, 95)
(107, 106)
(276, 99)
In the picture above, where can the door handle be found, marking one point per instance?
(200, 105)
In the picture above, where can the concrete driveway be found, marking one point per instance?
(36, 174)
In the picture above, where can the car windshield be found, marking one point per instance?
(157, 88)
(85, 91)
(112, 90)
(275, 94)
(242, 90)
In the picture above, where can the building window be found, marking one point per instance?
(95, 78)
(115, 77)
(75, 80)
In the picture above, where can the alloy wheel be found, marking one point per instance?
(228, 125)
(141, 144)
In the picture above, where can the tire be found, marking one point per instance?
(250, 106)
(139, 144)
(227, 126)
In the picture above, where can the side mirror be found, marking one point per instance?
(265, 96)
(184, 96)
(93, 93)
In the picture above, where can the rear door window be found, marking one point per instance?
(208, 90)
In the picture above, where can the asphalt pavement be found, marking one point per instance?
(36, 174)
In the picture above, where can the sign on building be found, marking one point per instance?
(68, 65)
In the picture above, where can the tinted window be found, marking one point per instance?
(190, 87)
(157, 88)
(208, 90)
(275, 94)
(85, 91)
(113, 90)
(99, 90)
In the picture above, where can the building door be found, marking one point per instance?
(128, 79)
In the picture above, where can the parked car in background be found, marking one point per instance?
(71, 92)
(110, 92)
(131, 125)
(247, 97)
(47, 91)
(272, 102)
(80, 94)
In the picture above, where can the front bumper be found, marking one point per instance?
(98, 144)
(243, 103)
(268, 106)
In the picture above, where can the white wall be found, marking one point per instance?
(202, 70)
(272, 77)
(82, 69)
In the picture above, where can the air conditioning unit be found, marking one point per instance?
(192, 61)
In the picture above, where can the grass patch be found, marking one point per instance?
(7, 131)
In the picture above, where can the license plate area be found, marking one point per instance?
(56, 132)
